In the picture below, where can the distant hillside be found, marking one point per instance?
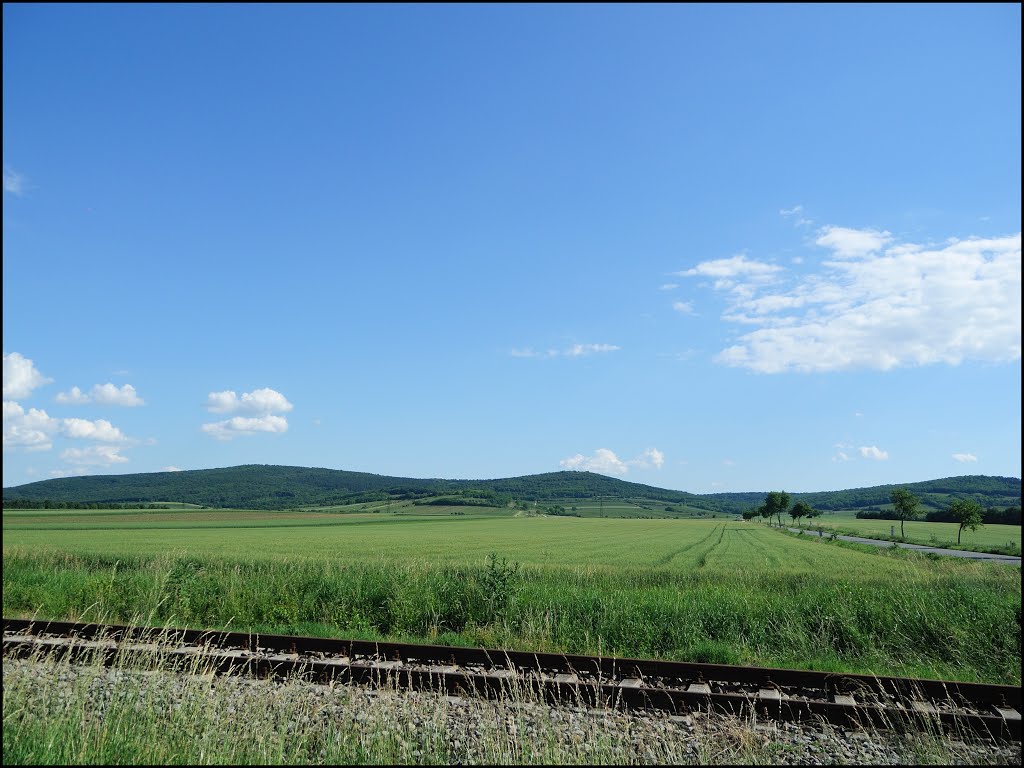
(260, 486)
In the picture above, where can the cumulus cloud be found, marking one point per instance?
(852, 243)
(100, 429)
(880, 304)
(102, 394)
(263, 400)
(94, 456)
(13, 182)
(21, 377)
(576, 350)
(239, 426)
(32, 430)
(605, 462)
(965, 458)
(873, 452)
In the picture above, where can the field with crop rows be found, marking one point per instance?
(709, 590)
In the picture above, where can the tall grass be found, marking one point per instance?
(937, 619)
(56, 713)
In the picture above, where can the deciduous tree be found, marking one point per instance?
(967, 513)
(906, 506)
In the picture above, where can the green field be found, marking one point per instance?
(1004, 537)
(713, 590)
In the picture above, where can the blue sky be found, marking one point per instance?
(710, 248)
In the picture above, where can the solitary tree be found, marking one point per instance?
(801, 509)
(776, 503)
(906, 506)
(967, 513)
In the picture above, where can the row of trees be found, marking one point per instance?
(966, 512)
(776, 504)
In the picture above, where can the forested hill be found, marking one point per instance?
(260, 486)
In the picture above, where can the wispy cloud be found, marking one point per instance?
(796, 213)
(877, 303)
(873, 452)
(576, 350)
(683, 307)
(21, 377)
(14, 183)
(668, 286)
(965, 458)
(103, 394)
(734, 266)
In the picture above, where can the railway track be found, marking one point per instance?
(847, 700)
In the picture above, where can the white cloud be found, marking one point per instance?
(21, 377)
(32, 429)
(734, 266)
(965, 458)
(581, 350)
(797, 214)
(238, 426)
(841, 452)
(907, 305)
(873, 452)
(852, 243)
(100, 429)
(683, 307)
(647, 458)
(94, 456)
(605, 462)
(13, 182)
(668, 286)
(170, 469)
(576, 350)
(103, 394)
(70, 472)
(263, 401)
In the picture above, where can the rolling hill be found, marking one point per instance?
(263, 486)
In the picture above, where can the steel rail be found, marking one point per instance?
(849, 700)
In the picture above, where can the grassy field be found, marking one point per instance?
(711, 590)
(920, 532)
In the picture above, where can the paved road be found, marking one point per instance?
(1008, 559)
